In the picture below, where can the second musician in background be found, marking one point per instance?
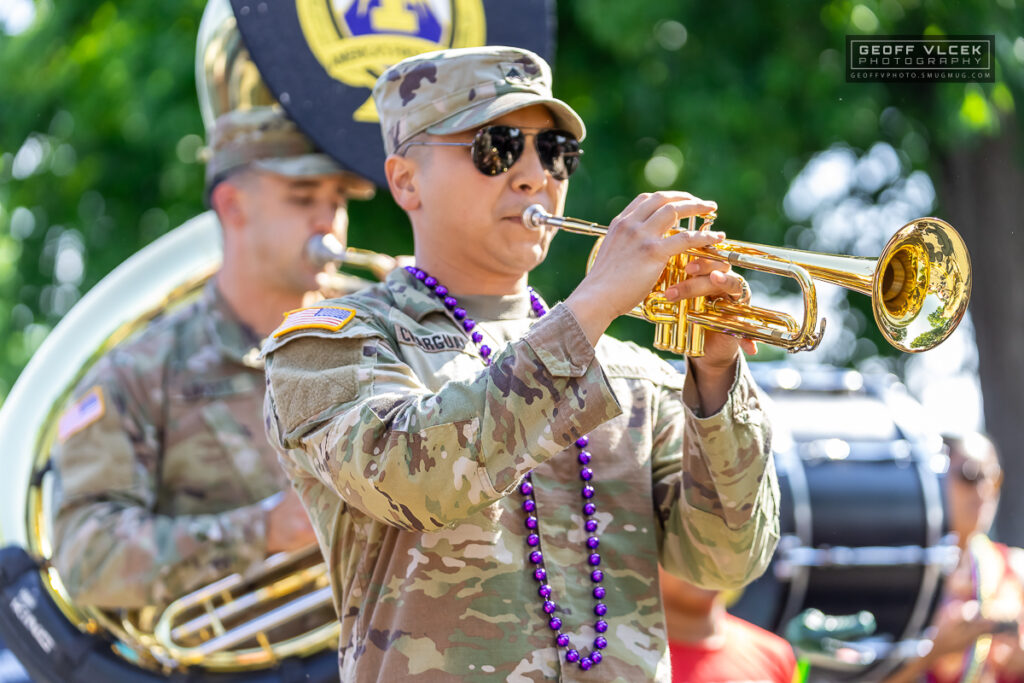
(166, 481)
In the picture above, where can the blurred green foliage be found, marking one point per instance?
(99, 126)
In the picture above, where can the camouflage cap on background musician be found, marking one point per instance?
(265, 138)
(420, 95)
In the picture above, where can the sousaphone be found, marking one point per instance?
(221, 628)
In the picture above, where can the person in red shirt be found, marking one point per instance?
(709, 645)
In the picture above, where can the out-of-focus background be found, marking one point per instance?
(745, 104)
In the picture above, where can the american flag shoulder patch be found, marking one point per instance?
(83, 413)
(331, 318)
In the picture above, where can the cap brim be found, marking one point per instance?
(306, 165)
(488, 110)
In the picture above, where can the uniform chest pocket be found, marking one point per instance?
(217, 456)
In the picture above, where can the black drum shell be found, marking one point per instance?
(853, 503)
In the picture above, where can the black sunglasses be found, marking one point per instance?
(496, 148)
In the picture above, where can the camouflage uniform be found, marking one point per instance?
(408, 450)
(160, 492)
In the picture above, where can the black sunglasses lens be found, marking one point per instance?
(496, 148)
(559, 152)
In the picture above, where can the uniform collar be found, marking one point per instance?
(235, 340)
(411, 296)
(417, 301)
(485, 307)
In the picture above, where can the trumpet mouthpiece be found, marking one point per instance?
(533, 217)
(324, 249)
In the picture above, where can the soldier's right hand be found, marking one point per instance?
(288, 526)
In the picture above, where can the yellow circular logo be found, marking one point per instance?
(356, 40)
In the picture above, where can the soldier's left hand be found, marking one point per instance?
(715, 279)
(288, 526)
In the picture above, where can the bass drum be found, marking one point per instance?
(55, 639)
(862, 520)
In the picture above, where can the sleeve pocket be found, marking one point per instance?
(310, 375)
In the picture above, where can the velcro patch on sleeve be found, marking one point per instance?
(83, 413)
(311, 374)
(331, 318)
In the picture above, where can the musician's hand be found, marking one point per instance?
(634, 255)
(288, 527)
(958, 625)
(716, 369)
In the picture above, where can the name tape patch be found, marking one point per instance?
(431, 343)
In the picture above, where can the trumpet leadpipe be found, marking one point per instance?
(322, 250)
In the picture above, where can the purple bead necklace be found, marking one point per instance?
(529, 505)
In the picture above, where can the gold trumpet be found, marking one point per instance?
(919, 287)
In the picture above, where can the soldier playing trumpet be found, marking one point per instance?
(494, 481)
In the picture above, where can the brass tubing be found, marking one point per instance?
(264, 622)
(322, 250)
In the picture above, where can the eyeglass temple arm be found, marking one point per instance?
(430, 143)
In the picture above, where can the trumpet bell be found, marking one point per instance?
(922, 285)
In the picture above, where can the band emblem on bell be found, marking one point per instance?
(356, 40)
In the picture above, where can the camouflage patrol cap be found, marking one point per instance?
(449, 91)
(264, 137)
